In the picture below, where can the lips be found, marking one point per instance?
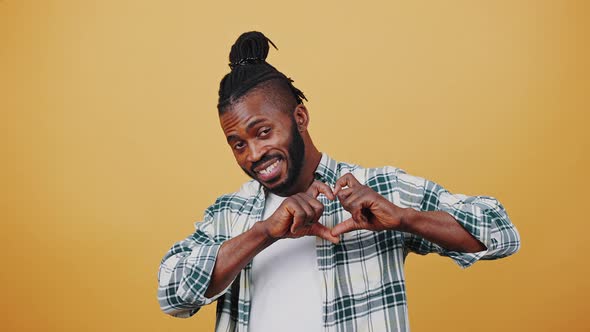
(269, 170)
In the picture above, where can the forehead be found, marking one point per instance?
(254, 106)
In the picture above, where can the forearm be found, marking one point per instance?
(441, 228)
(233, 256)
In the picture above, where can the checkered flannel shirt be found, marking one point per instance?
(362, 277)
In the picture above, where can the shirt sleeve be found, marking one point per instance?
(484, 217)
(186, 269)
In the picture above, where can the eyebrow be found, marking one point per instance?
(253, 123)
(248, 127)
(231, 138)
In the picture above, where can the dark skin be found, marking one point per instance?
(255, 128)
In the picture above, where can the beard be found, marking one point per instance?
(295, 162)
(296, 156)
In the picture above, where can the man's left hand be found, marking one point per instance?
(369, 210)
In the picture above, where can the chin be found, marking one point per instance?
(275, 185)
(281, 188)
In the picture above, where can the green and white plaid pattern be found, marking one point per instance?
(362, 276)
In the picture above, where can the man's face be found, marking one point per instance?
(265, 141)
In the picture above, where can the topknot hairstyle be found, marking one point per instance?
(247, 60)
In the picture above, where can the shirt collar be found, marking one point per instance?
(326, 170)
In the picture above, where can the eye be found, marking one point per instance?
(239, 145)
(264, 132)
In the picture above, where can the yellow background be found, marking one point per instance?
(111, 146)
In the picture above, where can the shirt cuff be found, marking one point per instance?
(477, 223)
(194, 283)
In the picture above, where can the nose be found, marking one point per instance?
(256, 151)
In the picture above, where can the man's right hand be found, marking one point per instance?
(298, 215)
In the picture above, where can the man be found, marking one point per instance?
(312, 244)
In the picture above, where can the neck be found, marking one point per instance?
(307, 176)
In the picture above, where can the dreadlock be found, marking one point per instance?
(249, 70)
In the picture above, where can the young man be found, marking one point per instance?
(312, 244)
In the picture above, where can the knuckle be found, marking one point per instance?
(320, 209)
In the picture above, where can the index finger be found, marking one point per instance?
(347, 180)
(318, 187)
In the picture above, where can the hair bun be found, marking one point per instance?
(251, 47)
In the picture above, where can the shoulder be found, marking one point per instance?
(389, 181)
(235, 201)
(368, 175)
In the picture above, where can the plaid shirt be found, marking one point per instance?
(362, 276)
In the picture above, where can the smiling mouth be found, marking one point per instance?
(271, 171)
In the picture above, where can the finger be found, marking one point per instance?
(322, 231)
(298, 220)
(316, 205)
(344, 194)
(358, 214)
(355, 204)
(347, 180)
(305, 203)
(318, 187)
(347, 197)
(297, 213)
(306, 209)
(318, 208)
(345, 227)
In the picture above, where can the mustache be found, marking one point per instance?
(262, 160)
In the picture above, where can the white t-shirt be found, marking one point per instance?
(286, 292)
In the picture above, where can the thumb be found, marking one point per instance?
(322, 231)
(345, 227)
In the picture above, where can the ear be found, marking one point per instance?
(301, 117)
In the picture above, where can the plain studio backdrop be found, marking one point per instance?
(111, 145)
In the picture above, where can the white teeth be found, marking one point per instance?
(269, 168)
